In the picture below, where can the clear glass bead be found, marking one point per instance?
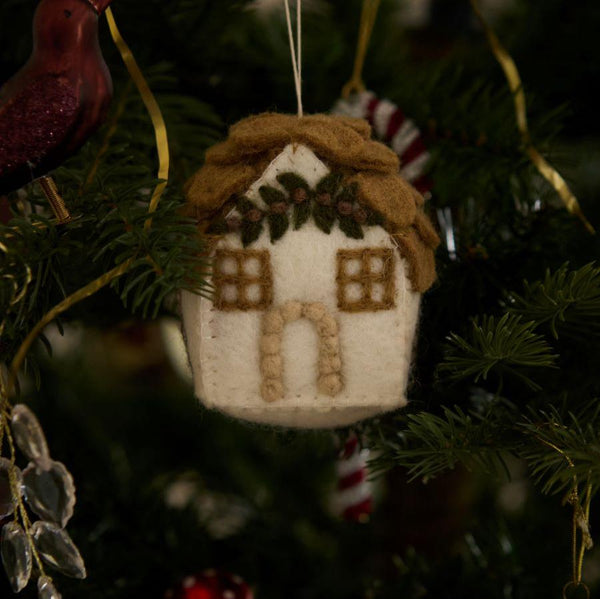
(46, 589)
(50, 492)
(57, 549)
(7, 501)
(16, 555)
(29, 435)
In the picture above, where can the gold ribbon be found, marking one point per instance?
(158, 122)
(516, 87)
(367, 21)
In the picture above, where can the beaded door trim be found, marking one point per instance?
(233, 285)
(373, 278)
(329, 381)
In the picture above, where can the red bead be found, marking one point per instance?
(254, 215)
(211, 585)
(279, 208)
(324, 199)
(299, 195)
(360, 215)
(345, 208)
(234, 223)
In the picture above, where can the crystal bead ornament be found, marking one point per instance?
(50, 492)
(56, 548)
(16, 556)
(7, 503)
(29, 435)
(46, 589)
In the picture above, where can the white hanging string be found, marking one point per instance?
(296, 53)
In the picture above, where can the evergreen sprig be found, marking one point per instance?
(501, 346)
(563, 448)
(567, 301)
(429, 444)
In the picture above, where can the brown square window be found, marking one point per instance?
(242, 280)
(365, 279)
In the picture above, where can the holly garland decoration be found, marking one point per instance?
(331, 200)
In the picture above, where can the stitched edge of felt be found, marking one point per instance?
(344, 144)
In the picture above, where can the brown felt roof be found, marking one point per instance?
(344, 144)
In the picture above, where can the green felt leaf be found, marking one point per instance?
(324, 217)
(329, 183)
(301, 214)
(374, 218)
(251, 232)
(350, 227)
(270, 195)
(278, 225)
(348, 193)
(244, 204)
(292, 181)
(218, 227)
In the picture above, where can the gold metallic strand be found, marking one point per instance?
(367, 21)
(580, 521)
(67, 303)
(18, 294)
(158, 122)
(516, 87)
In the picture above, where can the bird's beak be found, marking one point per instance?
(99, 5)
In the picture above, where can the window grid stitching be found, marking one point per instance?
(241, 280)
(366, 278)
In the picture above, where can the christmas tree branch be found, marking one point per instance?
(67, 303)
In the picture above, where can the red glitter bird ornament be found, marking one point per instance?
(57, 100)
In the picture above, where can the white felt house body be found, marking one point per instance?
(311, 329)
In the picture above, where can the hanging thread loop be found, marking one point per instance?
(296, 53)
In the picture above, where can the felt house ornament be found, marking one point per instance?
(320, 252)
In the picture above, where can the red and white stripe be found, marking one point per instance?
(392, 127)
(353, 498)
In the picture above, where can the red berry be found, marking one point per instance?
(344, 207)
(324, 199)
(279, 208)
(299, 195)
(360, 215)
(254, 215)
(233, 223)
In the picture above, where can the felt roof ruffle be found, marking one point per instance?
(343, 144)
